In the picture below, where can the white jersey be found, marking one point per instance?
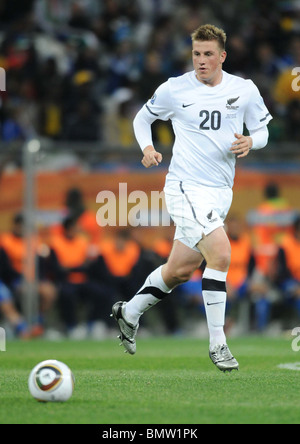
(204, 121)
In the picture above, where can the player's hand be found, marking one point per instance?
(151, 157)
(242, 145)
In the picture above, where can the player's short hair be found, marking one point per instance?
(210, 32)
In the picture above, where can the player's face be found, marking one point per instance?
(207, 60)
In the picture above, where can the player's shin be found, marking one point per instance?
(214, 296)
(152, 292)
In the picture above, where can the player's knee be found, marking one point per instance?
(221, 261)
(225, 261)
(183, 274)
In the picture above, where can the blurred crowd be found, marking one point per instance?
(78, 70)
(82, 271)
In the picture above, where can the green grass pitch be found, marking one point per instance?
(168, 381)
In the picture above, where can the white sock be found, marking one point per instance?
(214, 296)
(152, 292)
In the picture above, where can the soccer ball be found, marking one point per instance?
(51, 381)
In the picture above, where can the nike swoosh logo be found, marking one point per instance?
(215, 303)
(185, 106)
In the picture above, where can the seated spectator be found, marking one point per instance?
(120, 112)
(123, 265)
(86, 218)
(11, 129)
(12, 257)
(123, 65)
(151, 77)
(192, 292)
(82, 111)
(11, 314)
(50, 92)
(241, 266)
(69, 265)
(162, 246)
(264, 294)
(289, 266)
(269, 222)
(118, 259)
(293, 120)
(242, 260)
(75, 206)
(83, 124)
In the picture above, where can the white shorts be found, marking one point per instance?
(196, 209)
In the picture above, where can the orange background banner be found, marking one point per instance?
(52, 187)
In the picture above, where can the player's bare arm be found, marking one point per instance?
(151, 157)
(242, 145)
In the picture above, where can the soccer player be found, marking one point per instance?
(208, 108)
